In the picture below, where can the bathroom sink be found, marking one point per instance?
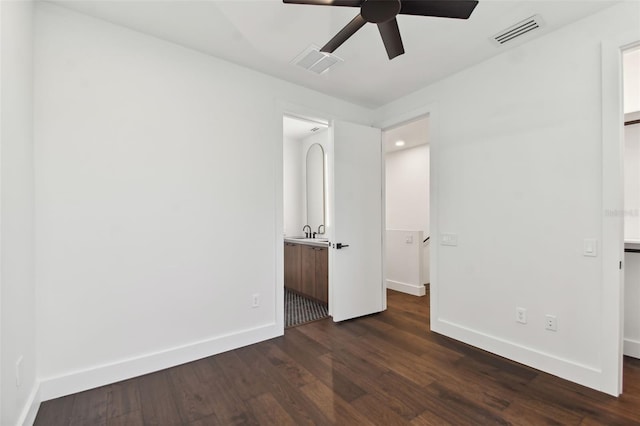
(308, 240)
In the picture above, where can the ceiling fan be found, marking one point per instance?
(384, 12)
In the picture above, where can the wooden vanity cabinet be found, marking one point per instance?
(292, 264)
(322, 275)
(306, 270)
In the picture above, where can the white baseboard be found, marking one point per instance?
(631, 348)
(416, 290)
(30, 410)
(78, 381)
(585, 375)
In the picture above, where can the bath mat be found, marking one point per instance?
(299, 310)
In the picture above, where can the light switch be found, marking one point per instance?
(590, 247)
(449, 239)
(409, 239)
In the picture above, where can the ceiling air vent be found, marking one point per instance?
(521, 28)
(311, 59)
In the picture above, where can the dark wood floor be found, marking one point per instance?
(384, 369)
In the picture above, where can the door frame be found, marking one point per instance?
(612, 329)
(431, 111)
(285, 108)
(282, 108)
(422, 291)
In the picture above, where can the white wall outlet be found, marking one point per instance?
(255, 300)
(409, 239)
(19, 371)
(449, 239)
(590, 247)
(521, 315)
(551, 322)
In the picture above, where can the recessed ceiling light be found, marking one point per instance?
(400, 143)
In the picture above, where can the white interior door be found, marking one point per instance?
(356, 283)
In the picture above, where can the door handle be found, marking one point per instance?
(340, 245)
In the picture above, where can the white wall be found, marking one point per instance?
(159, 211)
(518, 165)
(17, 283)
(293, 187)
(407, 195)
(295, 178)
(404, 254)
(407, 189)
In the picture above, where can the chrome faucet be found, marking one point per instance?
(321, 226)
(307, 234)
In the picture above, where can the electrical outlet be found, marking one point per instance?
(19, 371)
(521, 315)
(256, 300)
(551, 322)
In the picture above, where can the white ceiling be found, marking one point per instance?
(266, 35)
(299, 128)
(631, 61)
(413, 134)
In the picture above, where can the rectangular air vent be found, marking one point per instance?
(520, 29)
(311, 59)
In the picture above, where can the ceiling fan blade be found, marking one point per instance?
(350, 3)
(344, 34)
(390, 34)
(460, 9)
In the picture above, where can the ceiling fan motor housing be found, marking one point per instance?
(379, 11)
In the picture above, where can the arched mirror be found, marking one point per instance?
(315, 187)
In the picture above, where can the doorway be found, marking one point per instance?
(352, 228)
(612, 333)
(407, 204)
(305, 200)
(631, 211)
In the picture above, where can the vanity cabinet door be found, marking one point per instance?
(322, 274)
(308, 271)
(292, 271)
